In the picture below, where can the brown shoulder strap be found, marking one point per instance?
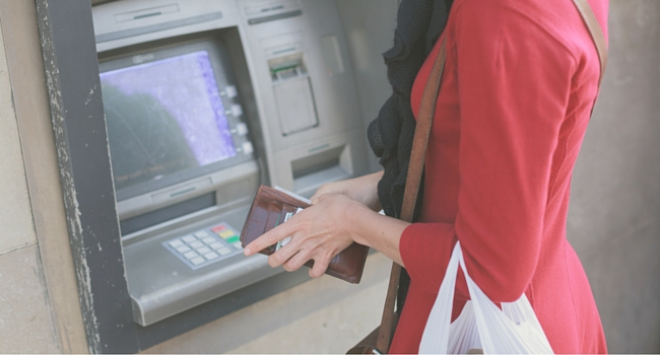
(596, 32)
(413, 180)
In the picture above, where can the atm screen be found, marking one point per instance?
(164, 117)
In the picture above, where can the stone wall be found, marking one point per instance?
(26, 325)
(614, 216)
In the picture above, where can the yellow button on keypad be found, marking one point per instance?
(226, 234)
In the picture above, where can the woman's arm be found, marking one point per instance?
(363, 189)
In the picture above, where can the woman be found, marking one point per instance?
(515, 99)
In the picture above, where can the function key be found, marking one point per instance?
(227, 234)
(237, 245)
(241, 129)
(189, 239)
(231, 91)
(248, 148)
(234, 239)
(218, 228)
(236, 110)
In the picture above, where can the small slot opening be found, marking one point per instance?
(287, 67)
(147, 15)
(315, 163)
(314, 170)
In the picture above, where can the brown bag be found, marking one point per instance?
(269, 209)
(378, 341)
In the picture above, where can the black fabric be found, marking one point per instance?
(419, 24)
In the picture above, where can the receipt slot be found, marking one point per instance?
(205, 100)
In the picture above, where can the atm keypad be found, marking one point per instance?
(206, 246)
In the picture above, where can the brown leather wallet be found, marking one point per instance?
(269, 209)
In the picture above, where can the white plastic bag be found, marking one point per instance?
(514, 329)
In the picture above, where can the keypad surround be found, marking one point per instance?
(205, 247)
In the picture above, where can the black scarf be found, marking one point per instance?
(419, 24)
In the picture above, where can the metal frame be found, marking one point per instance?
(71, 67)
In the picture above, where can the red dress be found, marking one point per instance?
(515, 99)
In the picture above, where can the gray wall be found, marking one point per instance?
(614, 218)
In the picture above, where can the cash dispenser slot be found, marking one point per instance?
(292, 88)
(320, 167)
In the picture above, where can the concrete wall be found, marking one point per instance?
(25, 321)
(614, 218)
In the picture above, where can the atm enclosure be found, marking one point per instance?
(205, 100)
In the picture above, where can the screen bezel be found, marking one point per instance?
(223, 73)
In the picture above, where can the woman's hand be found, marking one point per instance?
(317, 233)
(363, 189)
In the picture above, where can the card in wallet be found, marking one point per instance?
(269, 210)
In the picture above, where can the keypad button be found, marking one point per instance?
(237, 245)
(189, 239)
(198, 260)
(233, 239)
(226, 234)
(209, 240)
(211, 256)
(224, 251)
(196, 244)
(216, 245)
(203, 250)
(218, 229)
(202, 234)
(190, 255)
(183, 249)
(176, 243)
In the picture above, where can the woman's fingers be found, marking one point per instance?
(320, 266)
(285, 253)
(296, 261)
(269, 238)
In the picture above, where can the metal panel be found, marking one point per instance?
(69, 50)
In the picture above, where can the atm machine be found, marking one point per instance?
(205, 100)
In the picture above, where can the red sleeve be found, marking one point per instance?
(513, 83)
